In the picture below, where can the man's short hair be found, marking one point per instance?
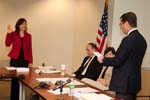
(130, 17)
(93, 45)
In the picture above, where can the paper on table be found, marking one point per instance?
(47, 71)
(52, 71)
(97, 54)
(43, 79)
(18, 69)
(94, 96)
(10, 68)
(77, 91)
(45, 67)
(56, 92)
(85, 90)
(95, 84)
(21, 69)
(53, 80)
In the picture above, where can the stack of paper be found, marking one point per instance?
(77, 91)
(10, 68)
(85, 90)
(48, 69)
(18, 69)
(95, 84)
(94, 96)
(43, 79)
(85, 93)
(22, 69)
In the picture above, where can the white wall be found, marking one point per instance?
(141, 8)
(88, 16)
(60, 28)
(51, 23)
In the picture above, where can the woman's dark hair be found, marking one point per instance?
(93, 45)
(130, 17)
(18, 23)
(109, 49)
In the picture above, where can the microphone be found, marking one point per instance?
(61, 84)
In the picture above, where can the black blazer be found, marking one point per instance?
(126, 76)
(93, 71)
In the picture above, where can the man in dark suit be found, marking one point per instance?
(90, 67)
(126, 76)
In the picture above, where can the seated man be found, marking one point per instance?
(90, 67)
(106, 73)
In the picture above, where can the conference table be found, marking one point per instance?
(31, 82)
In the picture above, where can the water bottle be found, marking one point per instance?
(71, 87)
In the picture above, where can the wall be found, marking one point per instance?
(60, 28)
(141, 8)
(50, 25)
(88, 16)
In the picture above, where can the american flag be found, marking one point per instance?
(101, 40)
